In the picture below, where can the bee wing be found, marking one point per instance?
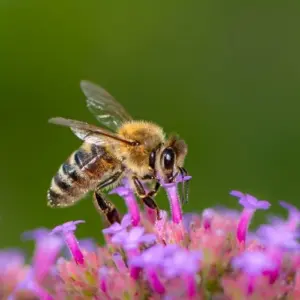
(91, 133)
(103, 106)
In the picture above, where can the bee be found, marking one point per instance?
(136, 150)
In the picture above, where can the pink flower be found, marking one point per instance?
(67, 231)
(128, 195)
(253, 263)
(294, 215)
(250, 204)
(198, 257)
(47, 248)
(175, 203)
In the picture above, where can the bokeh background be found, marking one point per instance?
(223, 74)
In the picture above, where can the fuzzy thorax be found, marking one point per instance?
(149, 136)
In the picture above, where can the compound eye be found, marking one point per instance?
(169, 158)
(152, 159)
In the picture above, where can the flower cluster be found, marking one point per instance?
(190, 256)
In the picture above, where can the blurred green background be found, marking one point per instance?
(223, 74)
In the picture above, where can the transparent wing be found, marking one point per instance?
(103, 106)
(91, 133)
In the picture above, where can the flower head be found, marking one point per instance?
(205, 255)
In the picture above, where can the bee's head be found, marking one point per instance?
(167, 160)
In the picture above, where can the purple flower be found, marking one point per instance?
(150, 260)
(10, 259)
(294, 215)
(47, 248)
(151, 257)
(130, 240)
(250, 204)
(30, 284)
(116, 227)
(175, 203)
(173, 261)
(253, 263)
(279, 236)
(154, 281)
(199, 258)
(182, 262)
(237, 194)
(127, 193)
(35, 234)
(67, 231)
(249, 201)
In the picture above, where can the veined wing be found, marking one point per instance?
(103, 106)
(91, 133)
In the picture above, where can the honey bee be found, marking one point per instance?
(136, 150)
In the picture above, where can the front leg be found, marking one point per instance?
(153, 192)
(146, 197)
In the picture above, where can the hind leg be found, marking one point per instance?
(106, 207)
(102, 204)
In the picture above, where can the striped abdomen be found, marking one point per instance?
(81, 173)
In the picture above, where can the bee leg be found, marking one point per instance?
(146, 198)
(106, 207)
(102, 204)
(155, 190)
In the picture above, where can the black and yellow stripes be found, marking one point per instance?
(77, 175)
